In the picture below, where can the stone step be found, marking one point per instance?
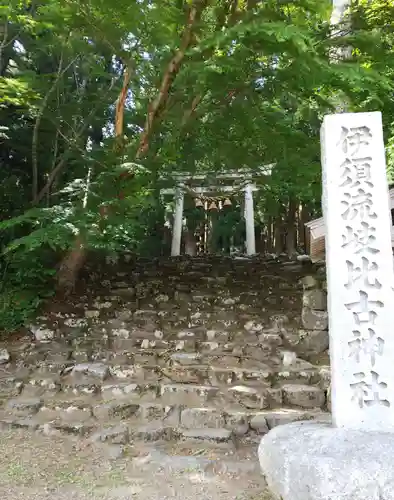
(252, 343)
(241, 364)
(187, 304)
(246, 388)
(179, 349)
(205, 266)
(154, 368)
(168, 324)
(198, 339)
(114, 332)
(119, 421)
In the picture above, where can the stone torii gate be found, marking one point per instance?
(242, 181)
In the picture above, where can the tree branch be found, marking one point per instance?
(120, 105)
(34, 155)
(190, 112)
(62, 162)
(170, 74)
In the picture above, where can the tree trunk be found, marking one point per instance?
(74, 260)
(269, 244)
(291, 233)
(70, 268)
(190, 243)
(278, 235)
(300, 228)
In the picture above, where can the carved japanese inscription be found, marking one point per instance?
(368, 343)
(366, 390)
(358, 236)
(360, 276)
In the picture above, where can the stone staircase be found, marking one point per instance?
(178, 349)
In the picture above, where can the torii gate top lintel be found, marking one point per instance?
(199, 183)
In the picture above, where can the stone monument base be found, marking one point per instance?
(314, 461)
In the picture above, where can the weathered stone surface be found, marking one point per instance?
(253, 327)
(315, 299)
(172, 416)
(149, 412)
(10, 387)
(218, 335)
(115, 435)
(24, 406)
(186, 358)
(304, 396)
(119, 390)
(204, 391)
(256, 398)
(153, 431)
(279, 322)
(187, 344)
(271, 339)
(46, 380)
(259, 423)
(99, 370)
(313, 341)
(285, 416)
(70, 426)
(4, 356)
(127, 292)
(289, 358)
(188, 351)
(76, 323)
(309, 282)
(218, 435)
(66, 416)
(81, 384)
(200, 418)
(237, 422)
(162, 298)
(314, 320)
(28, 422)
(307, 341)
(318, 462)
(115, 409)
(41, 333)
(194, 374)
(58, 359)
(92, 313)
(120, 334)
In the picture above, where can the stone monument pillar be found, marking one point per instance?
(353, 458)
(359, 271)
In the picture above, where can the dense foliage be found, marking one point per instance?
(98, 99)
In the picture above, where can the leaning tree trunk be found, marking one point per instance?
(70, 267)
(73, 262)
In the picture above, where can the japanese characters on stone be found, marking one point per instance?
(362, 287)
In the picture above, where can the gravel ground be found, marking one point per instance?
(36, 467)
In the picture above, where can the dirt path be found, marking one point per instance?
(39, 467)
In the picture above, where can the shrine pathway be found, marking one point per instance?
(40, 467)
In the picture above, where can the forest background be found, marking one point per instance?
(99, 99)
